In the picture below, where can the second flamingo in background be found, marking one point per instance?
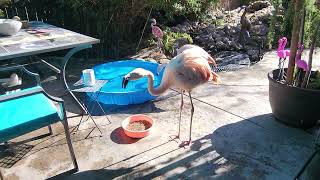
(282, 54)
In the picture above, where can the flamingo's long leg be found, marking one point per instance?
(181, 106)
(187, 143)
(192, 111)
(279, 66)
(282, 68)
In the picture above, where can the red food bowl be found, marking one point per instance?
(135, 118)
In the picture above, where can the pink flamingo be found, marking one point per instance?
(157, 33)
(186, 71)
(301, 64)
(189, 46)
(282, 54)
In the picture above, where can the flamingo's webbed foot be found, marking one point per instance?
(185, 143)
(174, 137)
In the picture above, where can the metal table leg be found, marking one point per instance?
(63, 74)
(95, 99)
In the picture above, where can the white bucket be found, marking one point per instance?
(88, 77)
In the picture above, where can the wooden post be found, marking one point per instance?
(299, 4)
(303, 20)
(313, 43)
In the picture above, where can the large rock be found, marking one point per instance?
(258, 5)
(260, 30)
(221, 46)
(150, 54)
(230, 60)
(215, 38)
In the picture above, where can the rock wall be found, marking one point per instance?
(226, 36)
(229, 4)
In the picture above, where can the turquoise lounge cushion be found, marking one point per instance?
(25, 114)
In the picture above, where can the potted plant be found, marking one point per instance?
(292, 100)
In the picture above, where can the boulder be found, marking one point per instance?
(260, 30)
(221, 46)
(258, 5)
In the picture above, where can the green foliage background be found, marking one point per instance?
(282, 21)
(117, 23)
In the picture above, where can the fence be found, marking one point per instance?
(118, 32)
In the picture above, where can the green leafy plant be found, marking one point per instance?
(4, 3)
(170, 38)
(283, 18)
(117, 23)
(315, 81)
(296, 35)
(187, 8)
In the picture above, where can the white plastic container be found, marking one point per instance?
(88, 77)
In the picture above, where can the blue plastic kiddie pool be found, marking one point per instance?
(136, 91)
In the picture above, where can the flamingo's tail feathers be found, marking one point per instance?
(212, 61)
(215, 78)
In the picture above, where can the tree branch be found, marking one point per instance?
(312, 44)
(299, 4)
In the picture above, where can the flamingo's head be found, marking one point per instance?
(160, 68)
(282, 42)
(153, 22)
(300, 47)
(134, 75)
(242, 7)
(284, 39)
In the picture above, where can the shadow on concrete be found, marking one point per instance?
(118, 136)
(12, 152)
(147, 107)
(239, 150)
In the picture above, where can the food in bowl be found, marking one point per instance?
(137, 126)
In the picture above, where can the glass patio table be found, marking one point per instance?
(41, 38)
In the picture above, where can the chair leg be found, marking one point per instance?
(1, 177)
(73, 157)
(50, 130)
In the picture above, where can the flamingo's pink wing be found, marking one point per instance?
(281, 54)
(157, 32)
(302, 64)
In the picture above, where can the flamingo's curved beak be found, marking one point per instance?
(124, 82)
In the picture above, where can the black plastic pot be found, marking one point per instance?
(298, 107)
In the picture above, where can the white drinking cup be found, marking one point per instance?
(88, 77)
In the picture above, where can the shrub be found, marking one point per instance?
(170, 37)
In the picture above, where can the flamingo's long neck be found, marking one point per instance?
(284, 43)
(299, 54)
(160, 89)
(280, 46)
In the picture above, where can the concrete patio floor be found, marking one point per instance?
(234, 137)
